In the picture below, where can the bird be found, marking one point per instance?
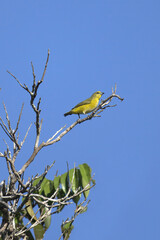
(87, 105)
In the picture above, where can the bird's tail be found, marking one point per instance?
(68, 113)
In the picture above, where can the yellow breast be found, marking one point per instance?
(86, 108)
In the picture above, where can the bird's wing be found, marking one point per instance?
(87, 101)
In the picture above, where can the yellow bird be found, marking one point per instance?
(87, 105)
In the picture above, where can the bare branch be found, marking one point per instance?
(44, 72)
(7, 117)
(29, 222)
(16, 80)
(9, 154)
(101, 106)
(19, 118)
(33, 95)
(8, 130)
(38, 128)
(29, 185)
(2, 126)
(50, 139)
(6, 205)
(59, 202)
(34, 78)
(1, 155)
(26, 135)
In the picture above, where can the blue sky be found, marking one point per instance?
(94, 44)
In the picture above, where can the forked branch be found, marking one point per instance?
(33, 94)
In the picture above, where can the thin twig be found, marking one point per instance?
(16, 79)
(5, 129)
(44, 72)
(50, 139)
(26, 135)
(34, 78)
(19, 119)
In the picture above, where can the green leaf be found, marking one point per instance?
(39, 232)
(44, 187)
(56, 182)
(74, 177)
(60, 193)
(48, 188)
(66, 230)
(47, 220)
(65, 182)
(36, 181)
(85, 171)
(30, 209)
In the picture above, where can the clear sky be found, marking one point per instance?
(94, 44)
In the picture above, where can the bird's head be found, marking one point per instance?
(97, 94)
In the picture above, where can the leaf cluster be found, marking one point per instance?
(70, 186)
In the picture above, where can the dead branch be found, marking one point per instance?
(19, 119)
(101, 106)
(55, 204)
(33, 94)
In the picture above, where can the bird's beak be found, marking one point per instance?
(102, 93)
